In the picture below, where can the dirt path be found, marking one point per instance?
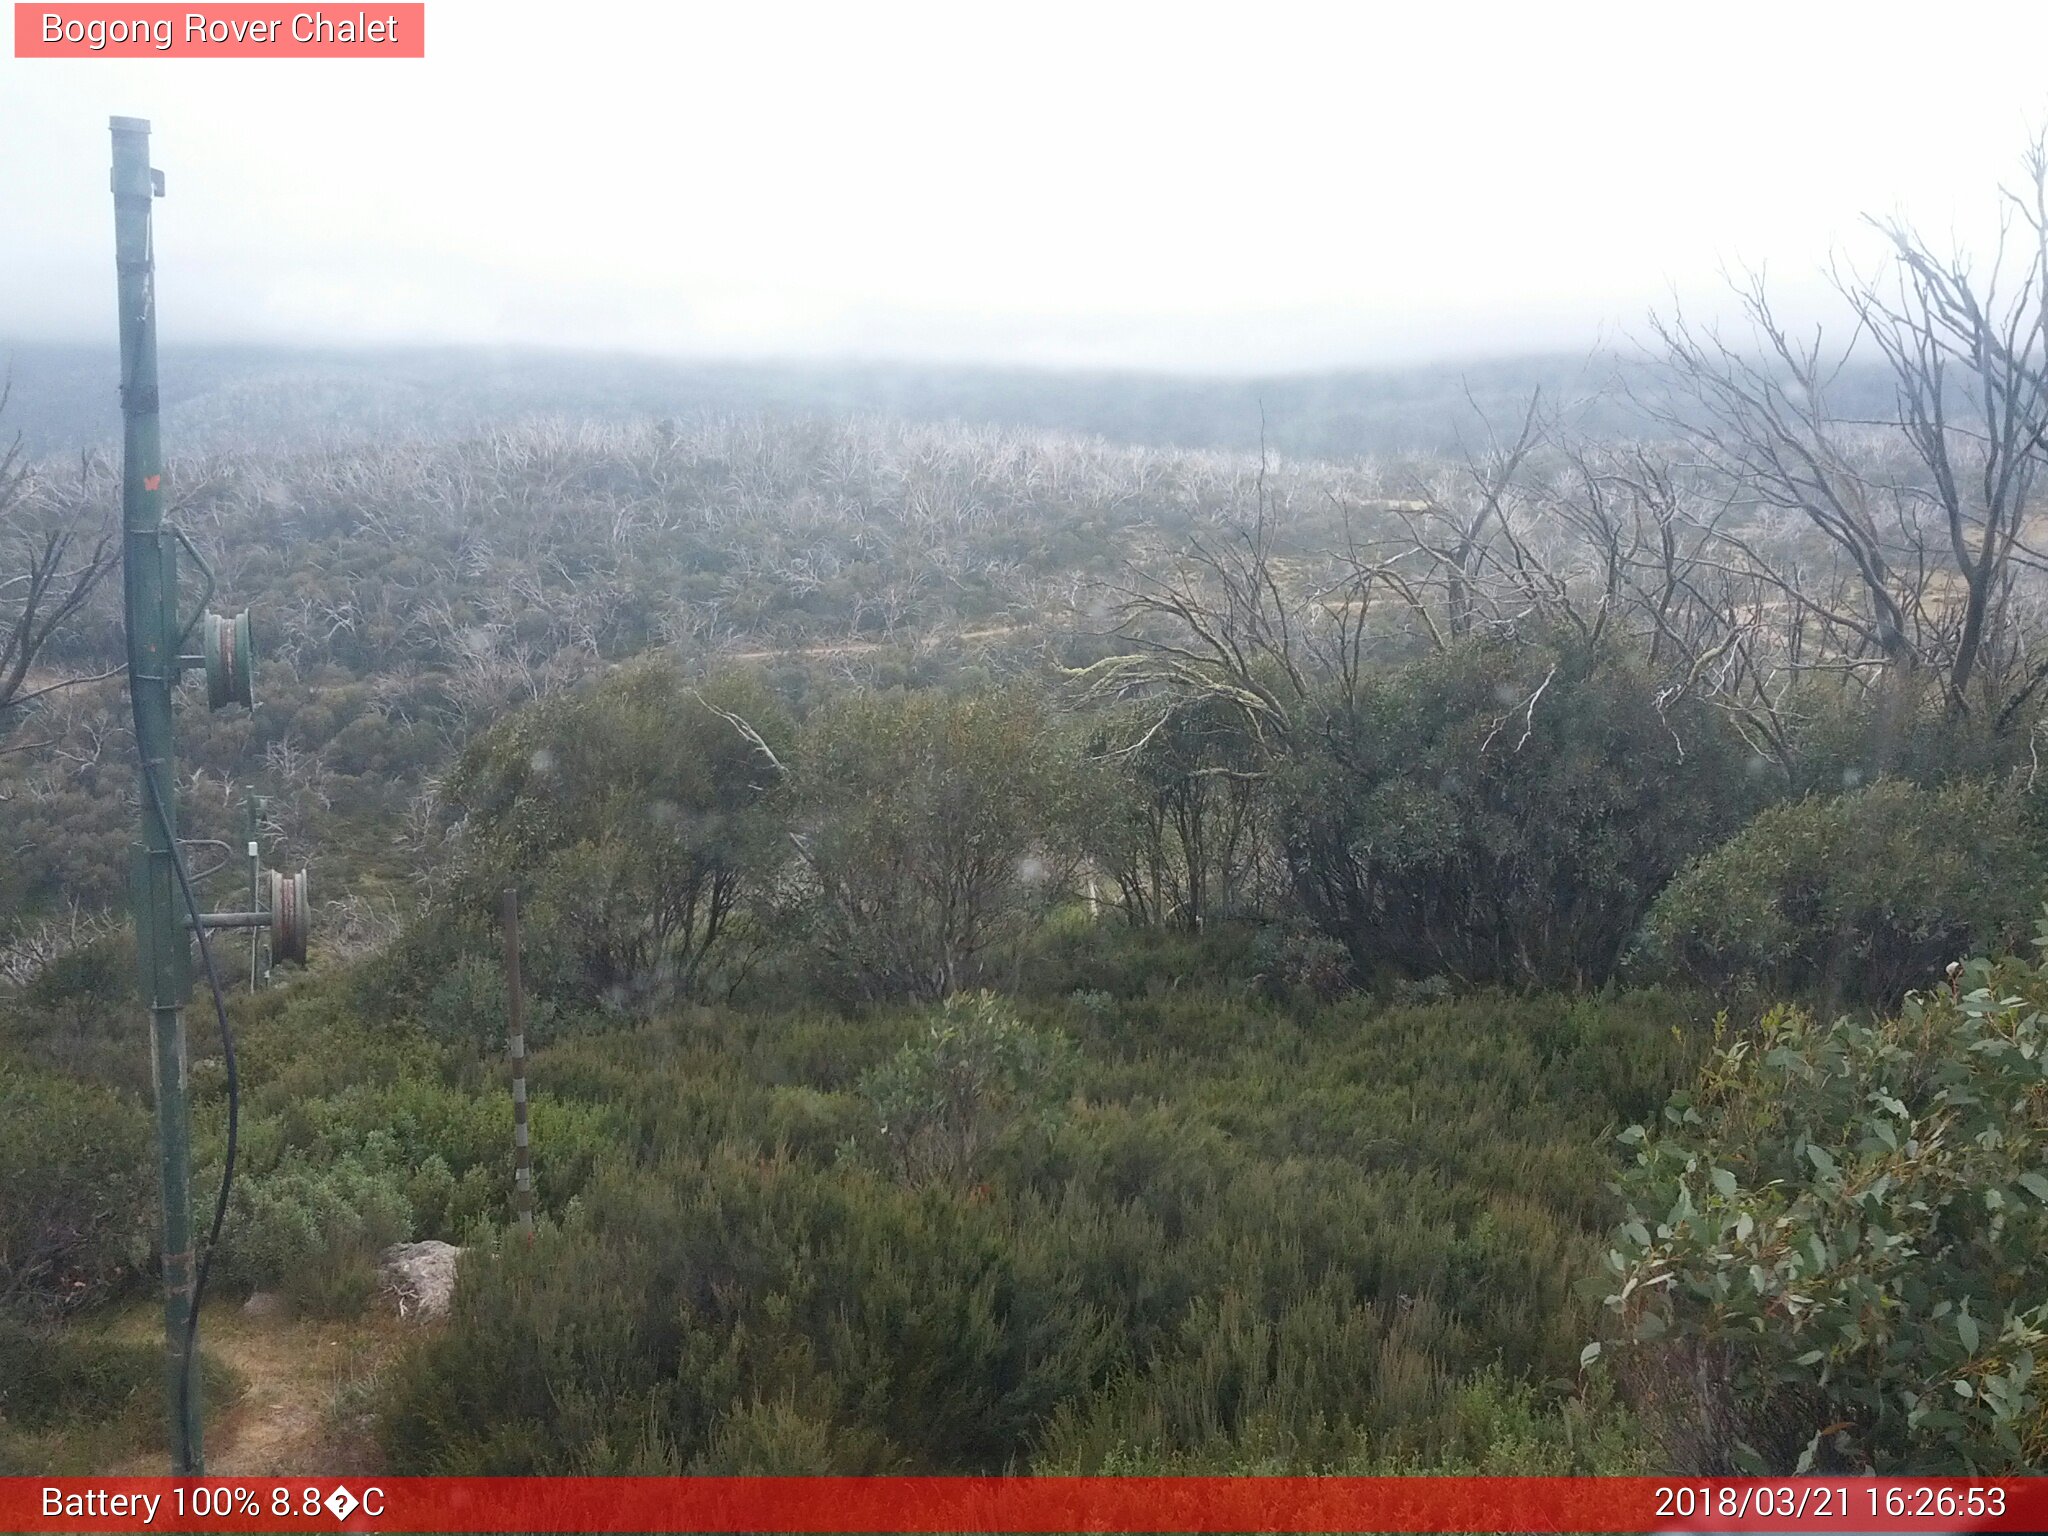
(831, 648)
(306, 1390)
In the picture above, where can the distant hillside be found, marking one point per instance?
(228, 397)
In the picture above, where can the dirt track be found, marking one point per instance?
(304, 1388)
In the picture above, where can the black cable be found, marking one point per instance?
(227, 1049)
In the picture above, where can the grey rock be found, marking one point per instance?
(420, 1278)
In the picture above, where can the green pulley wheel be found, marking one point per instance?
(230, 661)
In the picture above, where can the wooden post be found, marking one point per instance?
(515, 1041)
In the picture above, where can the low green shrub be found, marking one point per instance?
(316, 1039)
(1484, 1425)
(1308, 965)
(1313, 1231)
(78, 1016)
(1855, 897)
(702, 1287)
(50, 1376)
(1842, 1230)
(1113, 957)
(410, 1124)
(313, 1232)
(974, 1072)
(78, 1167)
(73, 1400)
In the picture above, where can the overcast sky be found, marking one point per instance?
(1186, 186)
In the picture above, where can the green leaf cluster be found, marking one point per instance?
(1844, 1231)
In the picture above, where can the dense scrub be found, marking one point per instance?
(638, 820)
(77, 1400)
(407, 594)
(1528, 813)
(996, 1012)
(75, 1162)
(1156, 1208)
(1858, 896)
(1430, 829)
(1319, 1234)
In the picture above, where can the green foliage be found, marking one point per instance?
(48, 1376)
(930, 828)
(318, 1038)
(467, 1004)
(78, 1166)
(313, 1231)
(1847, 735)
(1504, 811)
(1858, 896)
(77, 1016)
(1088, 955)
(1292, 963)
(705, 1285)
(1486, 1425)
(637, 817)
(451, 1146)
(1178, 826)
(941, 1103)
(1308, 1236)
(356, 1135)
(1844, 1228)
(74, 1400)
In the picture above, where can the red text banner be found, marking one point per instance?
(1023, 1504)
(225, 31)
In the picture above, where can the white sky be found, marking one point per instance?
(1249, 187)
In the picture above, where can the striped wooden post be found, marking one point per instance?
(515, 1039)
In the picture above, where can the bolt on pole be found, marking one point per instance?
(150, 593)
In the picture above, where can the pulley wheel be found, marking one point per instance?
(289, 916)
(230, 661)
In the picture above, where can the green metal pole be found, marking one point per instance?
(150, 586)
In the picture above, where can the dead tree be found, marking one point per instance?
(1925, 513)
(50, 564)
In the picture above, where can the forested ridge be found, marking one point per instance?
(1049, 953)
(219, 398)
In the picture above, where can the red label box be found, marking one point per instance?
(226, 31)
(1027, 1506)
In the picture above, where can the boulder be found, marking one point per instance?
(420, 1278)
